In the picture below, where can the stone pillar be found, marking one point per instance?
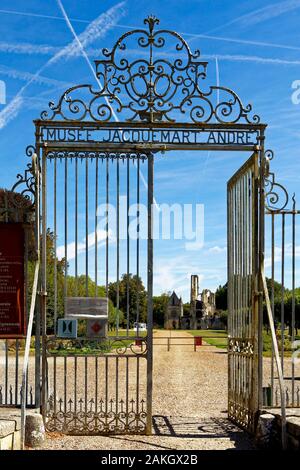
(34, 430)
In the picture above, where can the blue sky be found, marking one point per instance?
(257, 49)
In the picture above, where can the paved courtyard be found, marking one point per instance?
(189, 405)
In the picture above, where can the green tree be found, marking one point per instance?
(60, 276)
(160, 303)
(132, 293)
(221, 297)
(115, 317)
(186, 308)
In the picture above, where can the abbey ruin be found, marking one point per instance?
(202, 312)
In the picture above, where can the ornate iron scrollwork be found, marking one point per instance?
(240, 346)
(96, 417)
(276, 196)
(153, 87)
(18, 202)
(119, 345)
(82, 155)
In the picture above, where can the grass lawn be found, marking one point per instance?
(216, 338)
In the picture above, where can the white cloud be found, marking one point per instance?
(174, 274)
(81, 246)
(217, 249)
(288, 253)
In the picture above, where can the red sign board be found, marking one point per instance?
(12, 297)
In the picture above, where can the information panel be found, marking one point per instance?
(12, 297)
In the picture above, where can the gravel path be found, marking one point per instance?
(189, 404)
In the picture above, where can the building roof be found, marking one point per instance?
(174, 299)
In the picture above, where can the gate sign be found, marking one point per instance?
(12, 299)
(180, 137)
(66, 328)
(96, 328)
(86, 307)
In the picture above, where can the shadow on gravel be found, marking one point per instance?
(202, 428)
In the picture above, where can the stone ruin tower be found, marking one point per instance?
(195, 304)
(173, 313)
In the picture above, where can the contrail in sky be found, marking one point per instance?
(17, 48)
(81, 47)
(96, 28)
(262, 14)
(30, 77)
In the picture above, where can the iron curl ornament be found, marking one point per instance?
(18, 203)
(276, 196)
(153, 87)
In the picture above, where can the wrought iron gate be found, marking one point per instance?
(94, 147)
(243, 321)
(94, 385)
(18, 207)
(282, 270)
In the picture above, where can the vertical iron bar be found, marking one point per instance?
(54, 386)
(293, 293)
(26, 388)
(17, 372)
(137, 391)
(106, 392)
(260, 233)
(65, 389)
(66, 233)
(117, 390)
(243, 298)
(76, 225)
(229, 293)
(128, 249)
(272, 296)
(150, 294)
(127, 392)
(282, 291)
(118, 246)
(75, 389)
(96, 384)
(138, 243)
(55, 245)
(6, 371)
(38, 303)
(107, 224)
(258, 254)
(86, 226)
(27, 306)
(96, 229)
(44, 284)
(85, 389)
